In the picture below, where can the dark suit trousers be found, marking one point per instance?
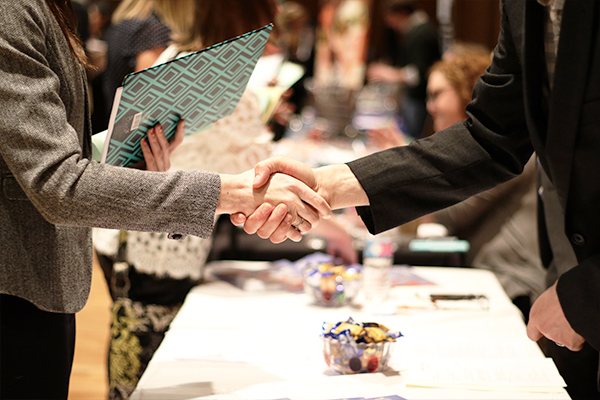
(36, 351)
(578, 368)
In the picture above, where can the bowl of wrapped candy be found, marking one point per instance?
(332, 285)
(353, 348)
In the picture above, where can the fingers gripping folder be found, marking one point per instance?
(201, 88)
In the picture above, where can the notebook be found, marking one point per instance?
(201, 88)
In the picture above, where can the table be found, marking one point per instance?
(232, 243)
(227, 343)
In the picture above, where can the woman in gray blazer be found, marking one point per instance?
(51, 192)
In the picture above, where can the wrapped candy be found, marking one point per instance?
(332, 285)
(351, 347)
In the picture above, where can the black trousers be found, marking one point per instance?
(579, 369)
(36, 351)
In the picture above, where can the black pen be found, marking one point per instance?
(436, 297)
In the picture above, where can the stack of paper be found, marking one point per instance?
(480, 364)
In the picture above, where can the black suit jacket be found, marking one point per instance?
(511, 114)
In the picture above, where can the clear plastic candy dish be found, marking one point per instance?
(352, 348)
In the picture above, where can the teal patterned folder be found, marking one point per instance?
(201, 88)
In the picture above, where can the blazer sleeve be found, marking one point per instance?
(492, 205)
(491, 146)
(42, 110)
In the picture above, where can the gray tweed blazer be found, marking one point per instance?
(51, 192)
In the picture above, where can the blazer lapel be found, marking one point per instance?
(566, 100)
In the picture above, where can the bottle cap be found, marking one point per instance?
(379, 248)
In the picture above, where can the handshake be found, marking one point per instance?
(283, 198)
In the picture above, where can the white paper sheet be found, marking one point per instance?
(534, 375)
(486, 364)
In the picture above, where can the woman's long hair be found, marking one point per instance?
(241, 17)
(201, 23)
(65, 16)
(132, 9)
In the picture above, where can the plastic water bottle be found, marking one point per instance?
(378, 257)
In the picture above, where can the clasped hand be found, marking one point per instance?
(277, 207)
(335, 185)
(279, 199)
(283, 220)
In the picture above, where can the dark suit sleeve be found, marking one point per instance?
(579, 298)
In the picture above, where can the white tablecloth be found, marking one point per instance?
(227, 343)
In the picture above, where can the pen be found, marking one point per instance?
(436, 297)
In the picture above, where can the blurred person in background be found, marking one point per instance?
(135, 39)
(499, 224)
(447, 97)
(341, 44)
(83, 20)
(99, 15)
(297, 42)
(413, 47)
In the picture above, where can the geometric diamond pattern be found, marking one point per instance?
(201, 87)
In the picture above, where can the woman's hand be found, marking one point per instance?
(379, 72)
(339, 242)
(335, 184)
(157, 149)
(386, 138)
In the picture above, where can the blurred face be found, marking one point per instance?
(443, 103)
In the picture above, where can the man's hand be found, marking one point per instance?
(547, 318)
(280, 164)
(278, 225)
(157, 149)
(336, 184)
(386, 138)
(379, 72)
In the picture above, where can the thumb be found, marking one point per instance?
(262, 172)
(285, 165)
(533, 333)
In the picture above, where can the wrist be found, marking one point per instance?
(339, 187)
(233, 190)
